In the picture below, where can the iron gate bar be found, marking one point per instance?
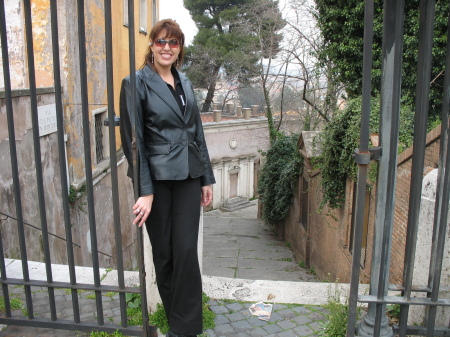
(362, 168)
(442, 196)
(426, 29)
(14, 168)
(87, 157)
(7, 82)
(399, 300)
(390, 111)
(148, 330)
(375, 322)
(113, 160)
(66, 285)
(70, 325)
(37, 154)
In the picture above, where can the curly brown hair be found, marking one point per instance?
(171, 29)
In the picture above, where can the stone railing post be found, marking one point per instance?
(255, 109)
(217, 116)
(239, 111)
(247, 112)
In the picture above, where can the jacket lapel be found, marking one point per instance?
(188, 94)
(156, 83)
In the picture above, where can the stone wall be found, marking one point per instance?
(53, 200)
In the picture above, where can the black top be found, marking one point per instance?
(178, 93)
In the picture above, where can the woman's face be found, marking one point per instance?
(165, 50)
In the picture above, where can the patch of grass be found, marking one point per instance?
(312, 271)
(111, 294)
(107, 270)
(14, 303)
(105, 334)
(159, 319)
(336, 324)
(302, 264)
(134, 311)
(91, 296)
(288, 259)
(287, 244)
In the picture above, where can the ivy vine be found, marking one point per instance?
(340, 138)
(278, 177)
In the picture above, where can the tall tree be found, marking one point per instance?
(220, 48)
(342, 27)
(263, 22)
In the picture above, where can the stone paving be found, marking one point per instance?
(234, 319)
(238, 247)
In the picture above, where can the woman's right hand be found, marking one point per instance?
(142, 209)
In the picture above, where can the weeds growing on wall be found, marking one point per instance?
(339, 140)
(278, 177)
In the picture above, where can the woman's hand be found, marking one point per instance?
(142, 209)
(206, 195)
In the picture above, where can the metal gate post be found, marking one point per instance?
(375, 323)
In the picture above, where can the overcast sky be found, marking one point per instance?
(174, 9)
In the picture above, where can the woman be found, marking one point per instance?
(175, 173)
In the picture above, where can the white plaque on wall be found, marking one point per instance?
(47, 119)
(233, 143)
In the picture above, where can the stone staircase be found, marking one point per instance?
(234, 204)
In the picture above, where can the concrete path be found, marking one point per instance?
(238, 245)
(243, 263)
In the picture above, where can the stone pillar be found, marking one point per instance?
(239, 111)
(215, 106)
(230, 108)
(255, 109)
(217, 116)
(417, 313)
(247, 112)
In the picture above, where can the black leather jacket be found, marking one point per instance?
(171, 144)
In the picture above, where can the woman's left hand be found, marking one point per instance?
(142, 209)
(206, 195)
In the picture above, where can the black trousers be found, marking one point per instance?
(173, 227)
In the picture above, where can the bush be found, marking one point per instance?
(278, 178)
(339, 140)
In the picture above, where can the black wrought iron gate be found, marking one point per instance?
(72, 287)
(375, 322)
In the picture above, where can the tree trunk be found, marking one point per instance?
(211, 89)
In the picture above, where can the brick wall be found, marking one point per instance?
(402, 199)
(325, 242)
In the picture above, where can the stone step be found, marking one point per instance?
(235, 204)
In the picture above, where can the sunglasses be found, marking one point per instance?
(162, 43)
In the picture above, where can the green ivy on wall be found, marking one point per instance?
(339, 140)
(278, 177)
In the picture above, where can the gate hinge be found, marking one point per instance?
(364, 158)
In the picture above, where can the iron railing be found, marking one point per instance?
(54, 321)
(375, 322)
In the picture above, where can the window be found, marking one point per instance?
(125, 13)
(304, 203)
(143, 16)
(100, 136)
(154, 12)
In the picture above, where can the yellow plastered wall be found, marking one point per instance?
(121, 44)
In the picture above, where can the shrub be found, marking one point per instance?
(339, 140)
(278, 177)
